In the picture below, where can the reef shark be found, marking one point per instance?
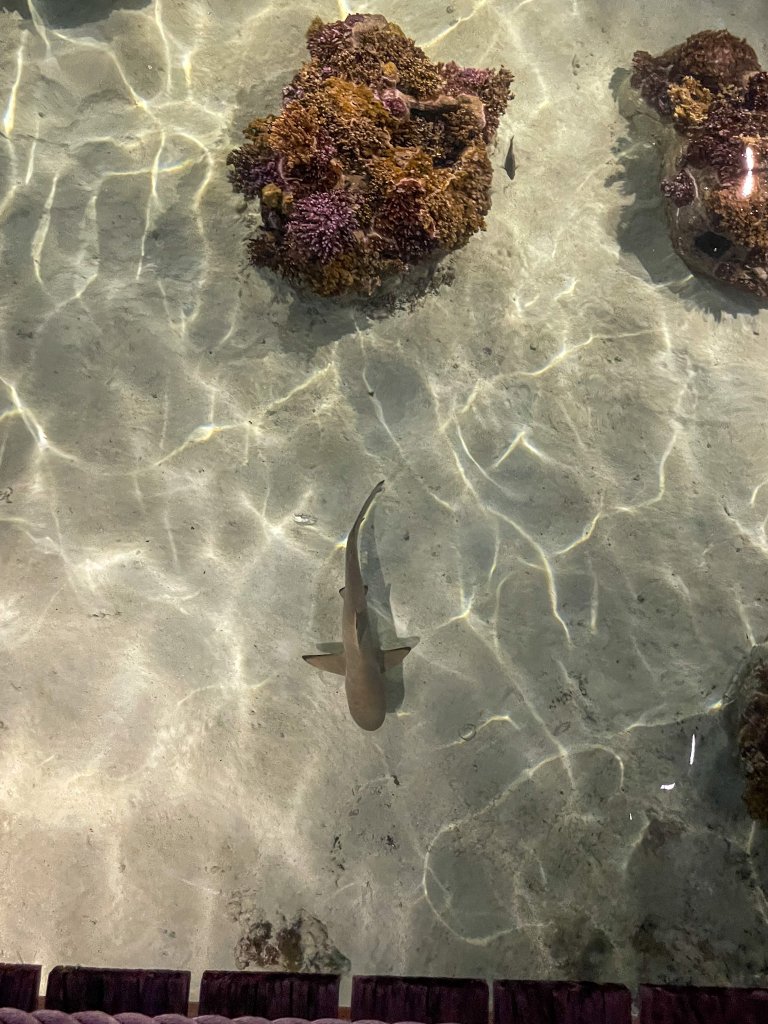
(361, 662)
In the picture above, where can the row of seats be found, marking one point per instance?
(272, 995)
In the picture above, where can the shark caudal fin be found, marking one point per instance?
(335, 663)
(394, 657)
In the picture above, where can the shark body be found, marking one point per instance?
(361, 662)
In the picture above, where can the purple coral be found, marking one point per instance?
(757, 92)
(321, 171)
(681, 189)
(250, 174)
(490, 85)
(328, 38)
(395, 103)
(460, 80)
(719, 143)
(322, 225)
(402, 222)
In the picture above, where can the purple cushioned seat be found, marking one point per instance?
(560, 1002)
(117, 990)
(10, 1015)
(428, 1000)
(269, 994)
(20, 986)
(679, 1004)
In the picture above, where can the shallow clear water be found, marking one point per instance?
(573, 437)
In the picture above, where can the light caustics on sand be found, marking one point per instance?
(470, 475)
(153, 108)
(156, 150)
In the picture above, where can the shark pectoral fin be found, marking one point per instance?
(328, 662)
(395, 657)
(341, 592)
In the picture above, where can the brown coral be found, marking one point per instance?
(742, 216)
(363, 45)
(714, 58)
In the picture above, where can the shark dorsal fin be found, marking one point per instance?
(361, 625)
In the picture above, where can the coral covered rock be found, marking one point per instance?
(711, 90)
(378, 159)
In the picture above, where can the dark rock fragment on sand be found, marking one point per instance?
(748, 712)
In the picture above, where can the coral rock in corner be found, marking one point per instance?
(377, 161)
(748, 711)
(712, 90)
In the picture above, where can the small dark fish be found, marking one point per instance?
(361, 663)
(510, 164)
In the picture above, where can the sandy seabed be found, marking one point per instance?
(572, 430)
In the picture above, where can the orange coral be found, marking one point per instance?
(690, 101)
(743, 217)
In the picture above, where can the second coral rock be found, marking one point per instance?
(711, 88)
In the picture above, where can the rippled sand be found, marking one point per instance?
(573, 435)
